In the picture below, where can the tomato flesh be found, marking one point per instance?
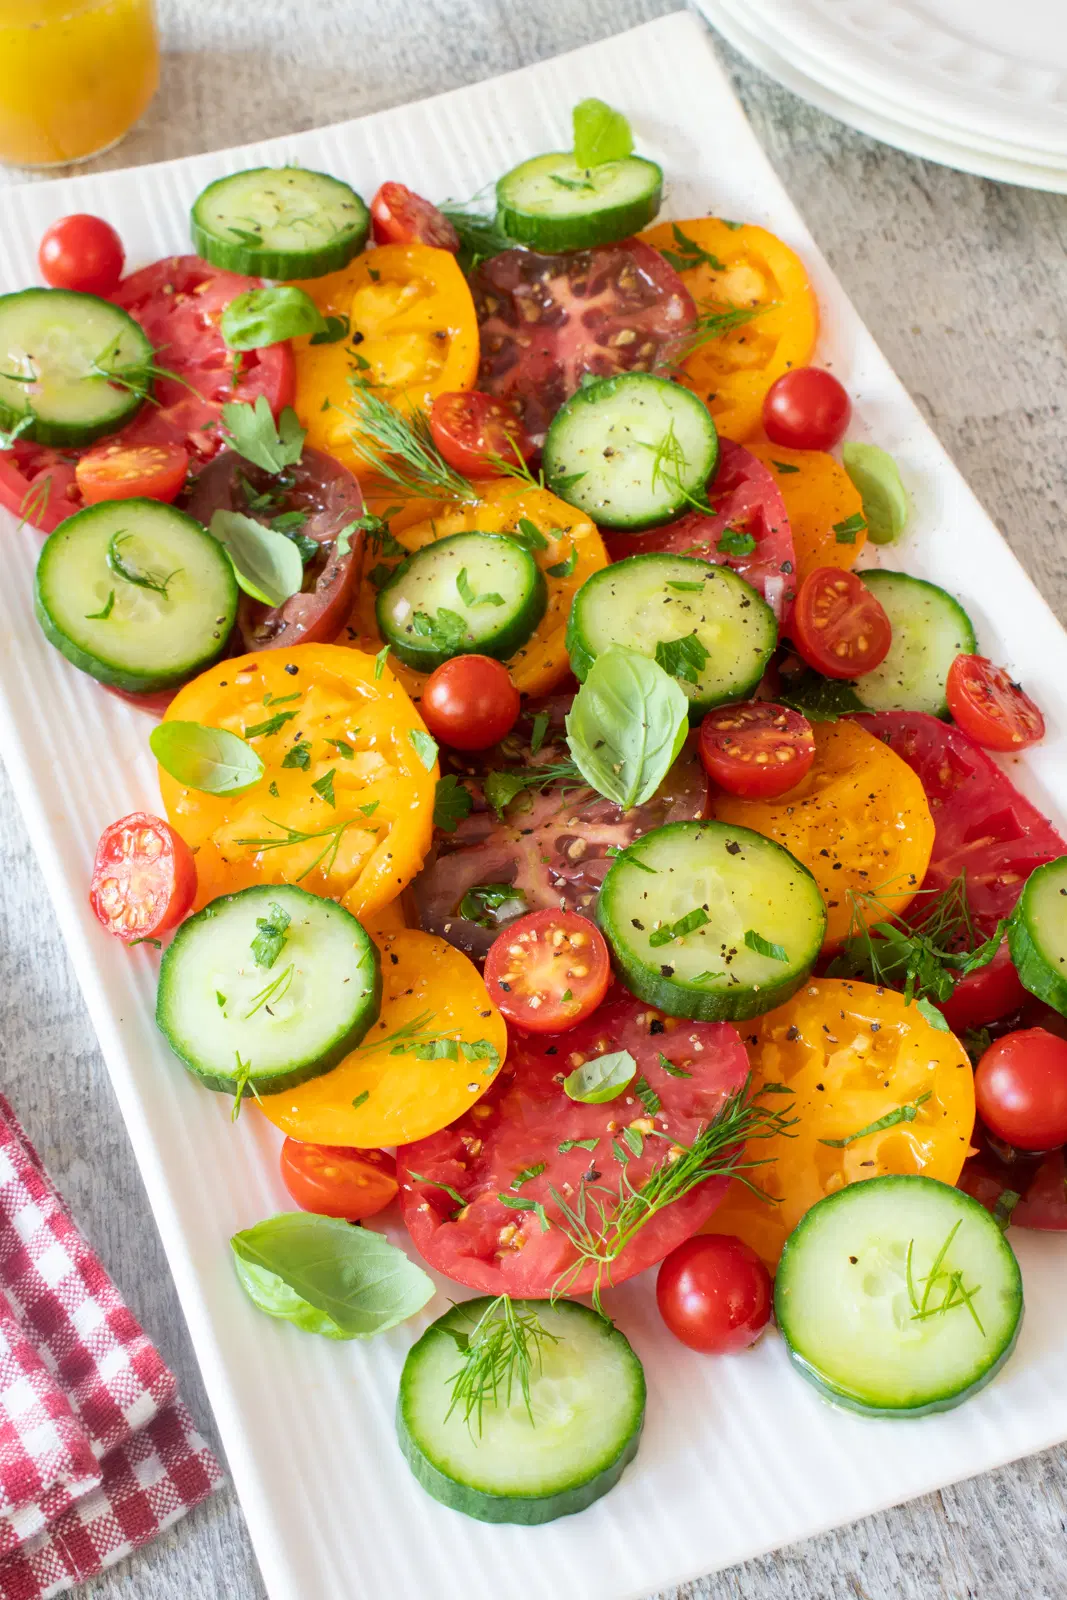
(131, 472)
(475, 433)
(1020, 1088)
(806, 409)
(839, 627)
(714, 1293)
(470, 702)
(548, 971)
(758, 751)
(144, 877)
(81, 252)
(400, 216)
(990, 707)
(333, 1181)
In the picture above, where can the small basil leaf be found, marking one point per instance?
(626, 726)
(208, 759)
(262, 317)
(600, 134)
(602, 1079)
(268, 565)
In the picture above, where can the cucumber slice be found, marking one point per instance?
(930, 629)
(60, 340)
(631, 451)
(862, 1334)
(587, 1397)
(135, 593)
(225, 1016)
(279, 222)
(710, 921)
(472, 593)
(550, 203)
(715, 639)
(1037, 934)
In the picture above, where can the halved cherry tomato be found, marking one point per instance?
(806, 409)
(475, 433)
(818, 495)
(335, 1182)
(1020, 1087)
(548, 971)
(714, 1293)
(400, 216)
(119, 471)
(757, 750)
(81, 252)
(990, 707)
(470, 702)
(144, 877)
(838, 625)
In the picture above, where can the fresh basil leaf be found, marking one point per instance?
(451, 803)
(424, 747)
(600, 134)
(626, 726)
(211, 760)
(252, 434)
(262, 317)
(328, 1277)
(602, 1079)
(267, 565)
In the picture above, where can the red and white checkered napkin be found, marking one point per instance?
(97, 1453)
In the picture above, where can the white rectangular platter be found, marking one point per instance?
(739, 1455)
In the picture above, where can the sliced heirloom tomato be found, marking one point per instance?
(144, 877)
(748, 529)
(851, 1055)
(839, 627)
(334, 1182)
(1029, 1191)
(730, 267)
(545, 321)
(527, 1142)
(361, 835)
(990, 707)
(757, 751)
(435, 1049)
(475, 433)
(820, 499)
(131, 472)
(326, 496)
(548, 971)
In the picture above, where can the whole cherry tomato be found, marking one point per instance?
(334, 1181)
(400, 216)
(548, 971)
(839, 627)
(991, 708)
(144, 877)
(82, 252)
(758, 750)
(714, 1293)
(470, 702)
(1020, 1088)
(475, 433)
(806, 409)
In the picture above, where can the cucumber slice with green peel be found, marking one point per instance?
(1037, 934)
(587, 1404)
(550, 203)
(240, 1026)
(632, 451)
(705, 625)
(135, 593)
(472, 593)
(930, 629)
(710, 921)
(57, 348)
(898, 1296)
(279, 222)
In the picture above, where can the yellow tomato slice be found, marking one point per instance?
(432, 997)
(416, 336)
(858, 821)
(851, 1055)
(344, 714)
(749, 267)
(543, 659)
(817, 494)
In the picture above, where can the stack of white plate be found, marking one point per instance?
(975, 84)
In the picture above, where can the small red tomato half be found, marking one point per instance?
(758, 750)
(838, 625)
(82, 252)
(333, 1181)
(144, 877)
(548, 971)
(806, 409)
(132, 472)
(990, 707)
(475, 433)
(470, 702)
(714, 1294)
(1020, 1089)
(400, 216)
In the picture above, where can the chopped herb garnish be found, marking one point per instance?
(683, 658)
(324, 786)
(452, 802)
(906, 1113)
(845, 532)
(269, 941)
(299, 756)
(764, 947)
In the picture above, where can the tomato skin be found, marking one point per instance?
(990, 708)
(714, 1294)
(116, 471)
(1020, 1088)
(470, 702)
(81, 252)
(144, 877)
(540, 958)
(335, 1182)
(400, 216)
(758, 751)
(473, 432)
(806, 409)
(839, 627)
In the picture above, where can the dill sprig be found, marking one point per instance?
(955, 1292)
(479, 236)
(499, 1355)
(716, 320)
(292, 836)
(135, 376)
(668, 464)
(402, 451)
(35, 501)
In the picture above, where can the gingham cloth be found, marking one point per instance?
(97, 1453)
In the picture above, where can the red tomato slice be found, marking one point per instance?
(130, 471)
(475, 433)
(1039, 1181)
(545, 321)
(144, 877)
(334, 1181)
(990, 707)
(838, 625)
(758, 750)
(746, 505)
(518, 1128)
(548, 971)
(400, 216)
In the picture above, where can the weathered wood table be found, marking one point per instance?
(963, 282)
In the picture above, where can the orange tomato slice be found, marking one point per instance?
(818, 493)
